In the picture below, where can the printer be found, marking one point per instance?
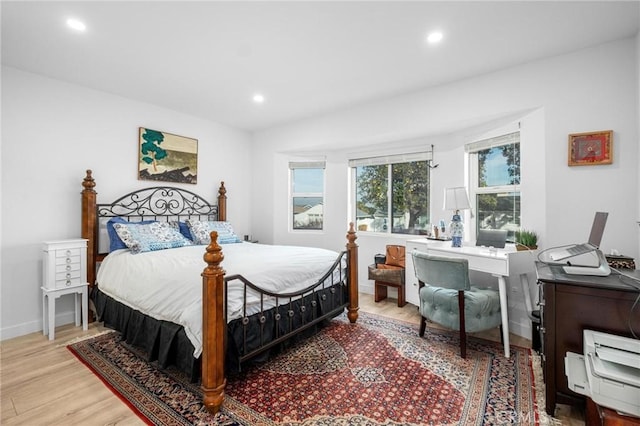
(608, 372)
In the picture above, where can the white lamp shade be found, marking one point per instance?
(456, 198)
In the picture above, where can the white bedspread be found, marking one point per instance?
(167, 284)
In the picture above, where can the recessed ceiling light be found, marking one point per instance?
(258, 98)
(434, 37)
(76, 24)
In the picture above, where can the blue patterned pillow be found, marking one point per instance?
(201, 232)
(150, 237)
(183, 228)
(115, 243)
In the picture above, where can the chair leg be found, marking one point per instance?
(380, 291)
(423, 326)
(501, 335)
(401, 296)
(463, 330)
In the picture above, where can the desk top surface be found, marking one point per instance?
(618, 280)
(445, 246)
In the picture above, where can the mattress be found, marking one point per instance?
(167, 284)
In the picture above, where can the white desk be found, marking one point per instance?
(500, 263)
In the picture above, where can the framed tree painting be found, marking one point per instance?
(166, 157)
(591, 148)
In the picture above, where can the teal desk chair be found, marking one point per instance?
(447, 297)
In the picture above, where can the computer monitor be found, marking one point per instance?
(492, 238)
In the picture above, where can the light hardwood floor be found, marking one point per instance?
(42, 383)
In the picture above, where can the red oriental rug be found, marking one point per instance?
(378, 371)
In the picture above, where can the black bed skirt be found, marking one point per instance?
(167, 344)
(163, 342)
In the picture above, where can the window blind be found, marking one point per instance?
(501, 140)
(391, 159)
(307, 164)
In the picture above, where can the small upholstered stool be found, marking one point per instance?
(389, 274)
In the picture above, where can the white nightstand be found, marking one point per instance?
(64, 272)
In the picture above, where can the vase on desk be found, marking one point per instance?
(456, 230)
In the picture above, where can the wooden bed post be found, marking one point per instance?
(89, 225)
(214, 327)
(222, 202)
(352, 251)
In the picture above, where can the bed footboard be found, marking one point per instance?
(213, 327)
(352, 259)
(269, 319)
(214, 318)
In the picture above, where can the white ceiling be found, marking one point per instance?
(208, 58)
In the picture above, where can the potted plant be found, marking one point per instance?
(526, 240)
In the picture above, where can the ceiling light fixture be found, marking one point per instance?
(76, 24)
(434, 37)
(258, 98)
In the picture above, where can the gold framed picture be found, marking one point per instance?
(166, 157)
(591, 148)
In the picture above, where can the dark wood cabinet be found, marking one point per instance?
(573, 303)
(601, 416)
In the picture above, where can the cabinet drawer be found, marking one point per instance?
(67, 267)
(61, 262)
(68, 252)
(67, 282)
(71, 274)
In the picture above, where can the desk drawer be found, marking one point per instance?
(488, 264)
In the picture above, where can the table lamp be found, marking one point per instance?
(456, 199)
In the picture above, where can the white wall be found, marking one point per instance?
(638, 109)
(592, 89)
(51, 133)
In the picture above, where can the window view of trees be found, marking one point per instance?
(499, 166)
(404, 209)
(497, 192)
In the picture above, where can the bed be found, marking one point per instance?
(262, 302)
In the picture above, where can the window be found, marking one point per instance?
(307, 195)
(392, 193)
(495, 182)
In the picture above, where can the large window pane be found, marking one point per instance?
(307, 180)
(307, 196)
(495, 182)
(499, 211)
(307, 213)
(499, 166)
(372, 203)
(410, 197)
(404, 209)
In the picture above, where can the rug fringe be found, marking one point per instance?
(82, 338)
(538, 377)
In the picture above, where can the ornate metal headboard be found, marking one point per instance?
(155, 203)
(159, 202)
